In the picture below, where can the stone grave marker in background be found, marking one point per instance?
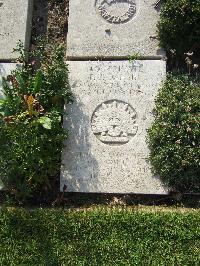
(113, 28)
(15, 21)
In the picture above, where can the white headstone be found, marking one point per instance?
(113, 28)
(113, 107)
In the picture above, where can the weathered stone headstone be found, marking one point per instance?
(108, 121)
(111, 28)
(15, 21)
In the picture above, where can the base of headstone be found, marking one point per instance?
(107, 150)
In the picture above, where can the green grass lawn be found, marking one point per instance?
(99, 236)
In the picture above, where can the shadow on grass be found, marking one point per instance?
(33, 238)
(112, 237)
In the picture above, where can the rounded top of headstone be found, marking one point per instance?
(116, 11)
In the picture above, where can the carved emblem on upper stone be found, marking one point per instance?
(113, 122)
(116, 11)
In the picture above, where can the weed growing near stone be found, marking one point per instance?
(31, 132)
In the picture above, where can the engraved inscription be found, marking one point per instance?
(114, 122)
(116, 11)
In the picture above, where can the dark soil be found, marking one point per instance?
(50, 19)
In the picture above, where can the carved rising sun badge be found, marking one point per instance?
(116, 11)
(113, 122)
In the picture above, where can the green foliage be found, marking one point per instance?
(174, 137)
(31, 133)
(99, 237)
(179, 26)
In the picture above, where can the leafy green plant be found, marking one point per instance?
(174, 137)
(179, 33)
(179, 26)
(31, 132)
